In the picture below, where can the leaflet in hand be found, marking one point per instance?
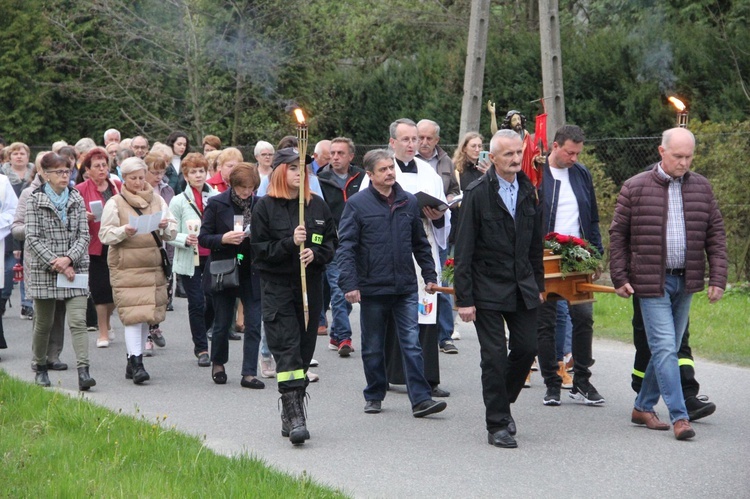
(80, 281)
(97, 209)
(146, 223)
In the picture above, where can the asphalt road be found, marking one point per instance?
(567, 451)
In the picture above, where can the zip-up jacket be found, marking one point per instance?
(334, 195)
(377, 241)
(588, 212)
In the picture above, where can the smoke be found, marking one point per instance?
(653, 51)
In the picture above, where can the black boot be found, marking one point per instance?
(42, 379)
(84, 380)
(294, 410)
(284, 423)
(139, 373)
(128, 368)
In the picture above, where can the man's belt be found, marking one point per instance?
(675, 271)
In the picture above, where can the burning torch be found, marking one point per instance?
(682, 114)
(302, 148)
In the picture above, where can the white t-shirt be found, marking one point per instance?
(566, 219)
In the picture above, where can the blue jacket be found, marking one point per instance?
(588, 211)
(376, 243)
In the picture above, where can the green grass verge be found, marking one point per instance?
(54, 445)
(718, 331)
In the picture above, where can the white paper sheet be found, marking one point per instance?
(80, 281)
(146, 223)
(96, 209)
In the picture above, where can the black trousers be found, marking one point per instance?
(291, 344)
(690, 386)
(503, 373)
(583, 335)
(428, 339)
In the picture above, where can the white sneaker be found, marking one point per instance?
(313, 363)
(312, 377)
(456, 335)
(267, 367)
(148, 351)
(102, 343)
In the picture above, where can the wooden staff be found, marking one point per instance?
(302, 147)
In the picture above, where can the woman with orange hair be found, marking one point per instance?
(275, 241)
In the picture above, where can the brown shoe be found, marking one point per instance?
(650, 419)
(322, 330)
(683, 430)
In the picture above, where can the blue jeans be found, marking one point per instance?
(563, 330)
(197, 307)
(444, 307)
(374, 314)
(665, 319)
(341, 329)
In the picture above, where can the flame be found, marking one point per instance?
(677, 103)
(300, 116)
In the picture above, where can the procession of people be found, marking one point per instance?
(262, 248)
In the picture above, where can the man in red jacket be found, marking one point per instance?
(666, 222)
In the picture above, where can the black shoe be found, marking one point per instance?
(253, 383)
(584, 391)
(204, 360)
(372, 407)
(57, 366)
(699, 407)
(512, 426)
(428, 407)
(42, 378)
(439, 392)
(502, 438)
(234, 336)
(137, 371)
(552, 397)
(170, 307)
(448, 347)
(85, 381)
(219, 375)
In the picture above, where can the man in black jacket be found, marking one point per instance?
(380, 230)
(339, 180)
(499, 278)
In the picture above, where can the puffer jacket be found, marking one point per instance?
(139, 286)
(376, 243)
(638, 234)
(496, 256)
(48, 237)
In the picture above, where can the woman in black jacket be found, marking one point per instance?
(225, 230)
(276, 238)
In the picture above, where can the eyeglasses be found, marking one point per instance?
(59, 173)
(157, 173)
(103, 165)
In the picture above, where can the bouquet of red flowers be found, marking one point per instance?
(447, 274)
(577, 254)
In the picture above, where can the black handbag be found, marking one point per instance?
(225, 274)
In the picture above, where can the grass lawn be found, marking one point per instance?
(53, 445)
(719, 331)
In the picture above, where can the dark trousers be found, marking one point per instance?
(690, 386)
(503, 373)
(291, 344)
(428, 340)
(224, 319)
(583, 335)
(375, 312)
(199, 319)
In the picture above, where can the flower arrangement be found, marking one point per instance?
(448, 270)
(578, 255)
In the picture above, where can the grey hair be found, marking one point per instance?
(320, 144)
(111, 131)
(430, 122)
(262, 145)
(667, 136)
(84, 145)
(400, 121)
(374, 157)
(502, 134)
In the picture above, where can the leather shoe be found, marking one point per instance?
(502, 438)
(234, 336)
(511, 426)
(427, 407)
(204, 360)
(253, 383)
(699, 407)
(683, 430)
(439, 392)
(650, 419)
(372, 407)
(57, 366)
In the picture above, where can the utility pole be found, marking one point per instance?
(476, 54)
(552, 78)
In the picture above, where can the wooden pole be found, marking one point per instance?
(302, 148)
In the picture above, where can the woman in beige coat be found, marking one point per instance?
(139, 284)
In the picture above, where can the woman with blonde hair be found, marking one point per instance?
(136, 262)
(227, 159)
(466, 159)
